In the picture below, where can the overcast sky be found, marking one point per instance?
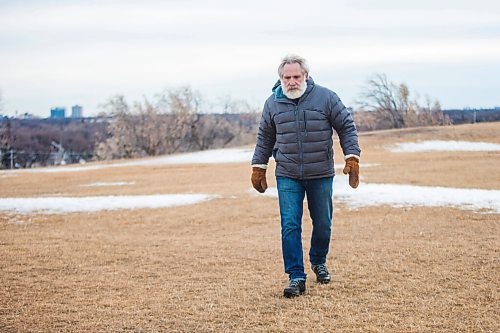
(62, 53)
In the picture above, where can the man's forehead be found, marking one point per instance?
(291, 68)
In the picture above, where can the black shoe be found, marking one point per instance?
(295, 288)
(322, 275)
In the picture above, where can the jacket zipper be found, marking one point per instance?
(299, 140)
(305, 123)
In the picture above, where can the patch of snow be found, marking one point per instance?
(100, 184)
(409, 195)
(50, 205)
(442, 145)
(7, 175)
(215, 156)
(67, 168)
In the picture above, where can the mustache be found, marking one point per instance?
(296, 91)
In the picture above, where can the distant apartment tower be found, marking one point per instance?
(58, 113)
(76, 111)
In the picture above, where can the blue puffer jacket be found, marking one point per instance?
(300, 136)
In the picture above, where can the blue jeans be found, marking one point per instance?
(291, 194)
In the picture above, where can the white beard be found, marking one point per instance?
(295, 93)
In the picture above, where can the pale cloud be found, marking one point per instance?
(55, 52)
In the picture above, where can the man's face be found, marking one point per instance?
(293, 81)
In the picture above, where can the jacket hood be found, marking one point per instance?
(278, 89)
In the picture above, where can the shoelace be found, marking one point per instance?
(294, 283)
(321, 269)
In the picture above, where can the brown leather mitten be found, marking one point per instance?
(352, 168)
(259, 179)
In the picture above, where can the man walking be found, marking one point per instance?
(296, 128)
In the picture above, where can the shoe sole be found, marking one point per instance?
(323, 281)
(292, 295)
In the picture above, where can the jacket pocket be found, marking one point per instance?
(280, 157)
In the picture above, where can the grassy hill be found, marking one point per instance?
(216, 266)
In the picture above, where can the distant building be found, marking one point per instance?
(76, 111)
(58, 113)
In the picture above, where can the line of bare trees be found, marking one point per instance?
(173, 122)
(384, 104)
(179, 120)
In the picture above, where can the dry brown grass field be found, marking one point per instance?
(216, 266)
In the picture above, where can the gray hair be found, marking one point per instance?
(293, 59)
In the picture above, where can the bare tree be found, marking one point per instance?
(384, 98)
(173, 122)
(182, 107)
(121, 142)
(211, 131)
(150, 128)
(392, 107)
